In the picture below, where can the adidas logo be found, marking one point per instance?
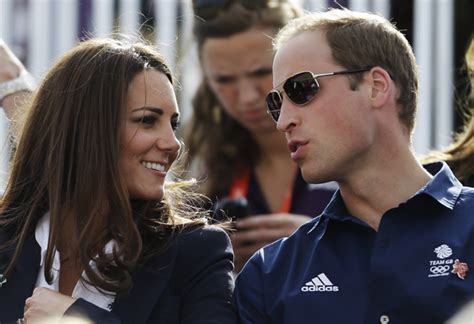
(319, 283)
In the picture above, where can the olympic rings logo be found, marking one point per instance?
(439, 269)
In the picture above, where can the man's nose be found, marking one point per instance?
(288, 116)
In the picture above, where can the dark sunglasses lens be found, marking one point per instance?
(301, 88)
(274, 102)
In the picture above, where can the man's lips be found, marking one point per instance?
(293, 145)
(296, 148)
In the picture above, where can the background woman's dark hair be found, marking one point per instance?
(67, 163)
(222, 144)
(460, 154)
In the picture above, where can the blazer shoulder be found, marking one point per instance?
(204, 238)
(204, 265)
(201, 246)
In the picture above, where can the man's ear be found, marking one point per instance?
(382, 86)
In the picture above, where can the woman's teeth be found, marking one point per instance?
(153, 166)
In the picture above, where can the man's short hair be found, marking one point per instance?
(359, 40)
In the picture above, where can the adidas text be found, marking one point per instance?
(320, 283)
(320, 288)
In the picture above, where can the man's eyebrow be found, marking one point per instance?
(156, 110)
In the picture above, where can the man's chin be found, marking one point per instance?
(311, 176)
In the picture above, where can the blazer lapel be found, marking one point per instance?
(148, 285)
(148, 282)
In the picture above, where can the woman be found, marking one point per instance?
(232, 138)
(88, 224)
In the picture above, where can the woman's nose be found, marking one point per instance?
(169, 142)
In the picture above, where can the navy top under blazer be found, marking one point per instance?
(190, 282)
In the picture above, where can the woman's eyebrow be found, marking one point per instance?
(156, 110)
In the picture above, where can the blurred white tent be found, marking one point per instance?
(44, 29)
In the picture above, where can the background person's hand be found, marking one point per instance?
(256, 231)
(10, 65)
(10, 69)
(46, 306)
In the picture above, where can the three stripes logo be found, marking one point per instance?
(319, 283)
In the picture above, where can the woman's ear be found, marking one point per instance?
(382, 86)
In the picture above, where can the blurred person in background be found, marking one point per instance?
(232, 139)
(460, 154)
(89, 225)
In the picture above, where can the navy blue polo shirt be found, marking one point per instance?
(337, 269)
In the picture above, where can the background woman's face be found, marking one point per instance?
(239, 71)
(148, 144)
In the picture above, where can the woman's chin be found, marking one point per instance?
(148, 195)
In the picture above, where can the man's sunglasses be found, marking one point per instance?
(300, 89)
(209, 9)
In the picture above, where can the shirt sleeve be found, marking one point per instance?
(82, 309)
(206, 263)
(249, 292)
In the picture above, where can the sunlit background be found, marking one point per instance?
(439, 30)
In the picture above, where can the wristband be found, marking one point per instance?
(24, 82)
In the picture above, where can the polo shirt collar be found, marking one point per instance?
(336, 209)
(444, 187)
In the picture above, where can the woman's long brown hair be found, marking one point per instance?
(67, 163)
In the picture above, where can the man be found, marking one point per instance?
(396, 242)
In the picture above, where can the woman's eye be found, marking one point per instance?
(262, 73)
(148, 120)
(225, 79)
(175, 125)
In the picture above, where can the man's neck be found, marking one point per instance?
(383, 185)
